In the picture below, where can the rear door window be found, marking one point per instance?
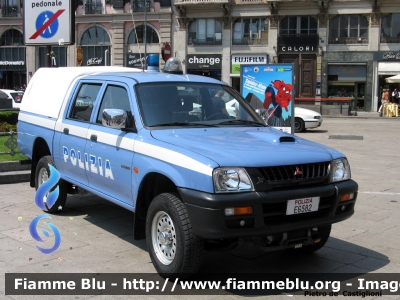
(84, 101)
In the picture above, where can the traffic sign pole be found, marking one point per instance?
(48, 56)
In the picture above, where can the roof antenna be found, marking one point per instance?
(137, 40)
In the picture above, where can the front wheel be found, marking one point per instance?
(42, 175)
(299, 125)
(173, 247)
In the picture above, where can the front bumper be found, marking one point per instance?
(312, 123)
(206, 211)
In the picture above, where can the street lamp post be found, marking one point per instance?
(145, 34)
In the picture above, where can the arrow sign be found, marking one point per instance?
(47, 24)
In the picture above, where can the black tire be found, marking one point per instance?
(299, 125)
(324, 233)
(173, 247)
(41, 175)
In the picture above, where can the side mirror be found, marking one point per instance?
(115, 118)
(263, 113)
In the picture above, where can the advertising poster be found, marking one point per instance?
(270, 87)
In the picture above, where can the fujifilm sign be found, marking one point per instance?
(238, 60)
(249, 59)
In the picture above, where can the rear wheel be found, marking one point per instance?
(173, 247)
(42, 175)
(299, 125)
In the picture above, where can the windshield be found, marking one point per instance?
(193, 104)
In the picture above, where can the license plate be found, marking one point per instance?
(301, 206)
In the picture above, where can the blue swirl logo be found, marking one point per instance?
(35, 235)
(45, 188)
(45, 199)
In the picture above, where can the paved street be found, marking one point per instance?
(97, 235)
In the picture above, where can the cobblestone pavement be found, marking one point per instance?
(97, 235)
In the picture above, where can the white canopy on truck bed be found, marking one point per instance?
(49, 87)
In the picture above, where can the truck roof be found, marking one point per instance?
(49, 87)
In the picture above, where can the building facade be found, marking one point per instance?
(107, 32)
(338, 48)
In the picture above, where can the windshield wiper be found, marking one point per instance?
(239, 122)
(181, 124)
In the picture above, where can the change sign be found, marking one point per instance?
(49, 23)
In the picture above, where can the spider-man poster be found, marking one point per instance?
(270, 87)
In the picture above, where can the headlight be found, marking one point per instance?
(340, 170)
(231, 180)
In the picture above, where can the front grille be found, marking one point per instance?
(275, 213)
(296, 172)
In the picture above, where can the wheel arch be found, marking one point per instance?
(40, 149)
(152, 185)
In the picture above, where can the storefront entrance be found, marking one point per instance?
(359, 95)
(12, 60)
(212, 74)
(12, 79)
(348, 81)
(305, 74)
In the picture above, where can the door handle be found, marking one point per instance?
(66, 130)
(93, 138)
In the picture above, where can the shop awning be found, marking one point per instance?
(388, 68)
(393, 79)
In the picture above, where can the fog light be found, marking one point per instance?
(242, 223)
(346, 197)
(343, 207)
(237, 211)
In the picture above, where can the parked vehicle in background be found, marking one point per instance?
(306, 119)
(5, 101)
(16, 96)
(303, 118)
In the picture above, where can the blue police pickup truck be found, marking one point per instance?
(196, 178)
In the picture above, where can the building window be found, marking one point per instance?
(12, 58)
(348, 29)
(151, 35)
(249, 31)
(390, 29)
(95, 44)
(95, 36)
(60, 56)
(298, 25)
(141, 5)
(205, 32)
(11, 37)
(13, 54)
(93, 7)
(9, 8)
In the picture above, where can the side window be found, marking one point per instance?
(114, 97)
(84, 101)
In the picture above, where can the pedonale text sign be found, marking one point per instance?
(49, 22)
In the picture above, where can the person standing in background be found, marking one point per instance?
(385, 100)
(395, 96)
(386, 96)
